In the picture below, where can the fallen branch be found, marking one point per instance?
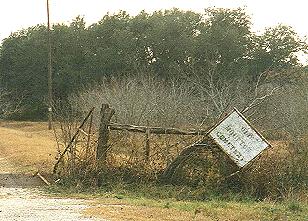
(42, 178)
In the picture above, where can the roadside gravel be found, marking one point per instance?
(21, 200)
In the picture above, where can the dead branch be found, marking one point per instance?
(155, 130)
(72, 141)
(258, 99)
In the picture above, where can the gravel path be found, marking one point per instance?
(21, 200)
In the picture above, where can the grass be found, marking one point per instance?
(152, 202)
(28, 145)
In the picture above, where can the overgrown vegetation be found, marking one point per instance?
(279, 173)
(173, 69)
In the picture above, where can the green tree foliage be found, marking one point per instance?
(166, 43)
(225, 41)
(70, 51)
(111, 47)
(169, 40)
(276, 49)
(23, 66)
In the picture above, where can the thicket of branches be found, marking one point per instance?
(277, 109)
(192, 101)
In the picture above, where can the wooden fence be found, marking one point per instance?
(106, 126)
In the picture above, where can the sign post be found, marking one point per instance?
(238, 139)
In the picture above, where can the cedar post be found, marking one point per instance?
(102, 146)
(147, 145)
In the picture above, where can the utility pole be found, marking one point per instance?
(49, 71)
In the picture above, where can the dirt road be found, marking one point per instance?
(20, 195)
(20, 199)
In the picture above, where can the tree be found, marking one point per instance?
(224, 42)
(277, 49)
(170, 40)
(111, 49)
(70, 57)
(23, 67)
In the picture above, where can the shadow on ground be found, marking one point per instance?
(10, 180)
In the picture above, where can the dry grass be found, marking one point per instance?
(138, 213)
(141, 210)
(29, 146)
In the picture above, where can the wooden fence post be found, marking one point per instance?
(102, 146)
(147, 145)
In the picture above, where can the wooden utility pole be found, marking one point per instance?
(49, 71)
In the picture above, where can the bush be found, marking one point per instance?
(279, 172)
(144, 100)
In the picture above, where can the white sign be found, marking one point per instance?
(238, 139)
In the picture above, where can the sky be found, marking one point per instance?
(19, 14)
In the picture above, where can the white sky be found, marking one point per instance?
(18, 14)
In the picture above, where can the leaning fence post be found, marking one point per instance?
(102, 146)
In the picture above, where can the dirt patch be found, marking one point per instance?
(11, 180)
(30, 204)
(20, 197)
